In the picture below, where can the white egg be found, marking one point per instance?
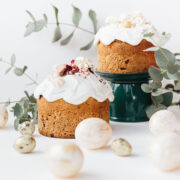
(64, 159)
(163, 121)
(3, 116)
(93, 133)
(164, 152)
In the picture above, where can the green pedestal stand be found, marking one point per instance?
(130, 101)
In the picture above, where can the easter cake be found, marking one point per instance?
(71, 94)
(121, 44)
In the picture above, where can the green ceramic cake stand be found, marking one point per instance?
(130, 101)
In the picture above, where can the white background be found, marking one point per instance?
(40, 55)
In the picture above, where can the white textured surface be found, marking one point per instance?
(98, 165)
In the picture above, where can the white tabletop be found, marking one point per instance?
(99, 165)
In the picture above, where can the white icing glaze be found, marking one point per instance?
(75, 89)
(128, 28)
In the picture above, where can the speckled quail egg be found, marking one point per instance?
(64, 159)
(164, 152)
(93, 133)
(3, 116)
(26, 127)
(25, 144)
(163, 121)
(121, 147)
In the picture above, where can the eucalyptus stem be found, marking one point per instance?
(10, 102)
(72, 25)
(27, 75)
(176, 104)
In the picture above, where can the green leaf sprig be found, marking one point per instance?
(38, 25)
(169, 69)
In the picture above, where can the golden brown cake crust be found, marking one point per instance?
(59, 118)
(121, 57)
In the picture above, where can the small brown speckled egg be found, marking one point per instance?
(26, 128)
(121, 147)
(25, 144)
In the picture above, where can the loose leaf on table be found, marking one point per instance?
(92, 16)
(152, 109)
(155, 73)
(76, 16)
(146, 88)
(67, 39)
(163, 57)
(87, 46)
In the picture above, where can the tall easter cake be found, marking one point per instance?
(121, 44)
(73, 93)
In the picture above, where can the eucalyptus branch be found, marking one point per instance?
(38, 25)
(10, 102)
(72, 25)
(26, 74)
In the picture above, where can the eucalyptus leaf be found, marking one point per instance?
(92, 16)
(29, 29)
(167, 98)
(175, 76)
(155, 73)
(76, 16)
(164, 39)
(45, 19)
(146, 88)
(158, 99)
(150, 34)
(163, 57)
(17, 110)
(87, 46)
(39, 25)
(67, 39)
(57, 34)
(13, 59)
(31, 15)
(20, 71)
(152, 49)
(16, 124)
(155, 85)
(177, 85)
(8, 70)
(172, 68)
(152, 109)
(157, 92)
(56, 11)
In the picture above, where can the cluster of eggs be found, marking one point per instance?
(26, 143)
(164, 152)
(66, 158)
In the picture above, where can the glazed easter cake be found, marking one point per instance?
(121, 43)
(68, 96)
